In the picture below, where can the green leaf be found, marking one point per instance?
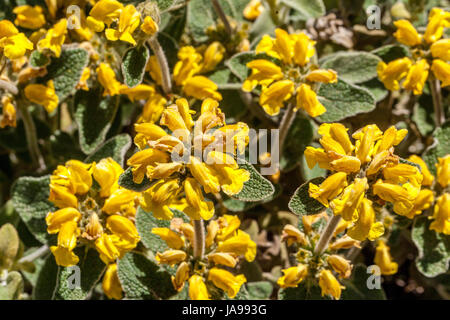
(440, 147)
(164, 4)
(38, 59)
(116, 148)
(354, 66)
(307, 8)
(344, 100)
(133, 65)
(30, 199)
(259, 290)
(235, 205)
(91, 268)
(391, 52)
(126, 181)
(46, 280)
(302, 204)
(298, 138)
(220, 76)
(9, 246)
(145, 222)
(376, 88)
(356, 287)
(433, 248)
(233, 104)
(423, 114)
(302, 292)
(93, 115)
(142, 278)
(13, 287)
(262, 25)
(257, 188)
(66, 71)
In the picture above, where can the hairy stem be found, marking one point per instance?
(31, 134)
(437, 102)
(285, 125)
(327, 234)
(8, 86)
(35, 254)
(163, 65)
(199, 239)
(222, 16)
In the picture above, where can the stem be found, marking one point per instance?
(437, 101)
(327, 234)
(8, 86)
(30, 131)
(285, 124)
(163, 65)
(34, 255)
(222, 16)
(199, 239)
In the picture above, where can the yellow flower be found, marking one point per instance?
(347, 203)
(13, 43)
(85, 75)
(365, 142)
(423, 201)
(29, 17)
(149, 26)
(329, 284)
(197, 288)
(443, 171)
(383, 259)
(64, 257)
(438, 19)
(391, 137)
(253, 9)
(188, 65)
(292, 235)
(181, 276)
(124, 228)
(366, 226)
(62, 197)
(111, 284)
(201, 87)
(8, 112)
(239, 244)
(228, 225)
(106, 173)
(67, 236)
(226, 281)
(417, 75)
(121, 201)
(406, 33)
(213, 56)
(441, 71)
(197, 207)
(104, 12)
(173, 239)
(107, 79)
(441, 215)
(43, 95)
(56, 219)
(272, 97)
(324, 76)
(129, 20)
(441, 49)
(153, 108)
(329, 189)
(292, 276)
(402, 173)
(342, 266)
(402, 196)
(307, 100)
(390, 74)
(304, 49)
(159, 197)
(223, 258)
(264, 73)
(171, 257)
(106, 247)
(54, 38)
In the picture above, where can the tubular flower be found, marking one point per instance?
(129, 20)
(149, 26)
(107, 79)
(292, 235)
(54, 39)
(342, 266)
(290, 75)
(416, 71)
(292, 276)
(329, 284)
(108, 228)
(212, 56)
(226, 281)
(43, 95)
(29, 17)
(329, 189)
(104, 13)
(366, 226)
(383, 259)
(441, 215)
(197, 288)
(253, 9)
(8, 112)
(167, 157)
(443, 171)
(13, 44)
(428, 178)
(111, 284)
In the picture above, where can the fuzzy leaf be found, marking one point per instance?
(164, 4)
(307, 8)
(13, 287)
(298, 138)
(235, 205)
(142, 278)
(423, 115)
(133, 65)
(259, 290)
(376, 88)
(38, 59)
(30, 199)
(434, 248)
(302, 204)
(391, 52)
(344, 100)
(440, 147)
(257, 188)
(116, 148)
(46, 280)
(126, 181)
(9, 246)
(66, 71)
(93, 115)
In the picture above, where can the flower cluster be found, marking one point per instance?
(427, 49)
(363, 174)
(93, 211)
(225, 244)
(286, 71)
